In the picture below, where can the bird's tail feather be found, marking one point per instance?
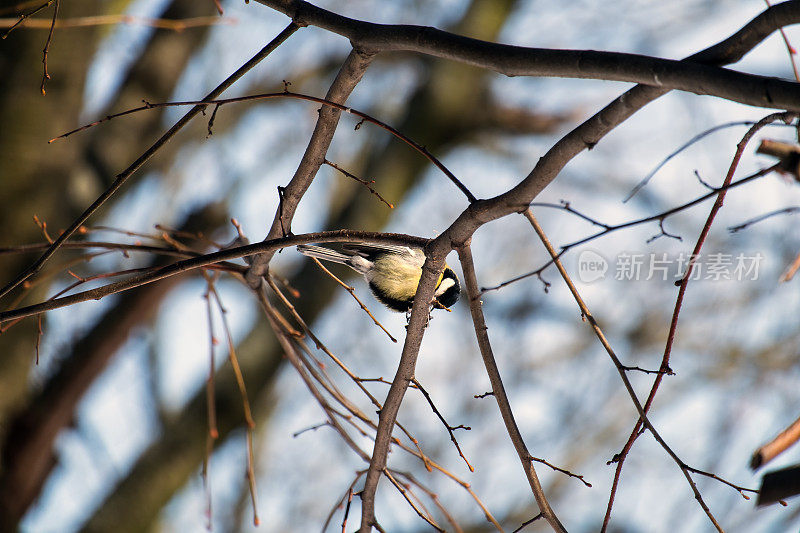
(326, 254)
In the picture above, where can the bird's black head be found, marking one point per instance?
(448, 291)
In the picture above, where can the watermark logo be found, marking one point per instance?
(591, 266)
(631, 266)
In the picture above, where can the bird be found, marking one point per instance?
(392, 271)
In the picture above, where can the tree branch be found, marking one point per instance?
(434, 265)
(498, 390)
(696, 76)
(180, 267)
(314, 157)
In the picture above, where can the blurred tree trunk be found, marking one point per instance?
(58, 187)
(36, 178)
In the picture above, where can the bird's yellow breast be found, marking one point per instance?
(398, 278)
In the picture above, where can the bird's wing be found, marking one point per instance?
(324, 253)
(371, 250)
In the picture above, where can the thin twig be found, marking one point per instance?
(676, 313)
(213, 432)
(755, 220)
(610, 351)
(700, 136)
(352, 292)
(341, 500)
(45, 74)
(528, 522)
(450, 429)
(790, 271)
(404, 492)
(358, 381)
(365, 183)
(739, 488)
(177, 25)
(347, 509)
(789, 48)
(206, 260)
(298, 96)
(248, 416)
(609, 228)
(564, 471)
(433, 496)
(22, 18)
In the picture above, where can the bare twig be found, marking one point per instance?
(45, 74)
(248, 417)
(739, 488)
(207, 260)
(433, 496)
(700, 136)
(526, 523)
(347, 509)
(352, 292)
(450, 429)
(564, 471)
(358, 381)
(347, 497)
(365, 183)
(24, 17)
(790, 271)
(643, 420)
(755, 220)
(789, 48)
(676, 313)
(405, 493)
(610, 228)
(104, 20)
(297, 96)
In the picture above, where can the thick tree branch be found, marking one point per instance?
(696, 76)
(314, 157)
(590, 132)
(434, 264)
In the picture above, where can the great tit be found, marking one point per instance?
(393, 272)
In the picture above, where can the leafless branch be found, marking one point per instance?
(346, 80)
(676, 313)
(610, 228)
(643, 420)
(104, 20)
(450, 429)
(206, 261)
(695, 76)
(297, 96)
(471, 282)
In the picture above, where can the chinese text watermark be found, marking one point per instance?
(631, 266)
